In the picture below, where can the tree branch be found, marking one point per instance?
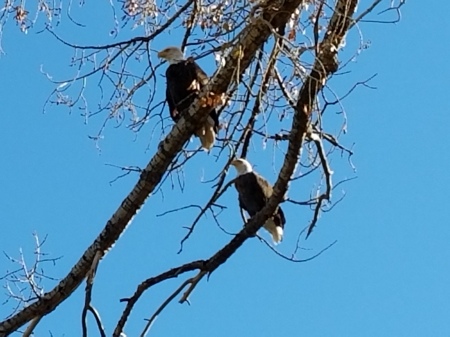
(172, 273)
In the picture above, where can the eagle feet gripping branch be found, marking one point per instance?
(254, 192)
(185, 79)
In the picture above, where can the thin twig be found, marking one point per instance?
(162, 306)
(31, 326)
(193, 283)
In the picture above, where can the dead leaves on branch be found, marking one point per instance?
(212, 100)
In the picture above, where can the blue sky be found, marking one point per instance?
(388, 274)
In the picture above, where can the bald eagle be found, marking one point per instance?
(184, 80)
(254, 192)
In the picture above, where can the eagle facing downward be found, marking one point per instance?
(254, 192)
(184, 80)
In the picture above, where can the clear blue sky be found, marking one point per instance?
(388, 275)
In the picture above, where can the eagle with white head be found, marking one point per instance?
(254, 192)
(184, 80)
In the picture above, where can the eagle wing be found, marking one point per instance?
(197, 72)
(267, 190)
(172, 106)
(202, 80)
(253, 191)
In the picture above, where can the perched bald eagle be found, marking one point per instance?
(254, 192)
(184, 80)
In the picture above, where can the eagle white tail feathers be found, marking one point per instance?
(274, 230)
(208, 138)
(207, 134)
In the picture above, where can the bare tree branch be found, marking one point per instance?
(162, 306)
(172, 273)
(29, 331)
(88, 296)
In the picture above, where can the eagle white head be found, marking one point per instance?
(171, 55)
(242, 166)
